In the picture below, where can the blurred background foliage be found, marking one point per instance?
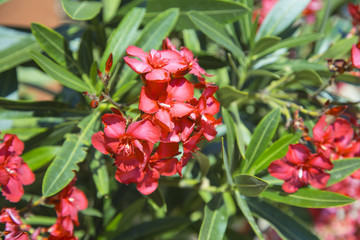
(265, 72)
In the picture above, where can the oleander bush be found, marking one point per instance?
(205, 119)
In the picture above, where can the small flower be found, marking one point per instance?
(299, 168)
(14, 172)
(14, 227)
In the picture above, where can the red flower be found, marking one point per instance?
(14, 172)
(156, 65)
(14, 227)
(354, 11)
(161, 163)
(63, 229)
(355, 55)
(299, 168)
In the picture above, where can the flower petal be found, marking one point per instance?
(297, 153)
(114, 125)
(144, 130)
(137, 65)
(281, 170)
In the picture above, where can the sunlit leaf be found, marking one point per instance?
(40, 156)
(61, 170)
(342, 169)
(215, 219)
(84, 10)
(307, 198)
(250, 185)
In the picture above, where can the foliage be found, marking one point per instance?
(280, 75)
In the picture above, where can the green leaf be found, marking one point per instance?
(154, 228)
(239, 133)
(53, 43)
(40, 220)
(40, 156)
(215, 31)
(264, 43)
(250, 186)
(349, 78)
(204, 163)
(92, 212)
(85, 53)
(286, 226)
(100, 174)
(9, 84)
(110, 8)
(281, 16)
(84, 10)
(123, 220)
(122, 36)
(244, 207)
(215, 219)
(262, 136)
(226, 164)
(229, 94)
(17, 53)
(3, 1)
(276, 151)
(341, 48)
(289, 43)
(307, 198)
(151, 37)
(262, 72)
(342, 169)
(309, 75)
(230, 134)
(60, 172)
(221, 11)
(59, 73)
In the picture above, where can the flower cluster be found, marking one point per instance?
(334, 137)
(14, 172)
(67, 204)
(171, 115)
(14, 227)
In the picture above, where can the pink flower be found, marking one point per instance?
(355, 55)
(14, 227)
(14, 172)
(299, 168)
(156, 66)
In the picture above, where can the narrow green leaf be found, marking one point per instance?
(286, 226)
(110, 8)
(262, 72)
(250, 186)
(221, 11)
(307, 198)
(100, 174)
(215, 31)
(204, 163)
(84, 10)
(230, 134)
(17, 53)
(215, 219)
(85, 53)
(264, 43)
(191, 40)
(281, 16)
(53, 43)
(340, 48)
(40, 156)
(349, 78)
(276, 151)
(154, 228)
(342, 169)
(92, 212)
(73, 151)
(229, 94)
(289, 43)
(239, 133)
(123, 220)
(40, 220)
(150, 38)
(122, 36)
(59, 73)
(262, 136)
(226, 164)
(309, 75)
(244, 207)
(9, 84)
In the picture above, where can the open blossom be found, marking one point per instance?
(299, 168)
(14, 227)
(14, 172)
(67, 205)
